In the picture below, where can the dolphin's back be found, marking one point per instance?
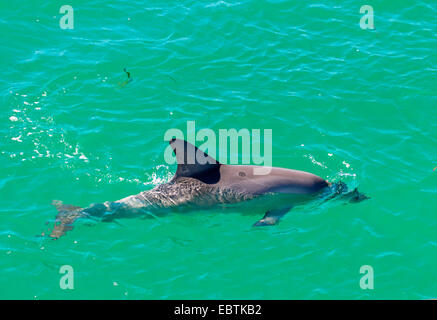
(277, 180)
(243, 179)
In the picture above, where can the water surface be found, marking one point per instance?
(344, 103)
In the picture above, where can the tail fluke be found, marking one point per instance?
(65, 218)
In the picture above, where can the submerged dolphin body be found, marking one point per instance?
(206, 183)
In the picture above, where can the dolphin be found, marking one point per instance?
(201, 182)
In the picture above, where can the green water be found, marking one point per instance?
(344, 103)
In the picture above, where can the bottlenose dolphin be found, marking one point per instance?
(202, 182)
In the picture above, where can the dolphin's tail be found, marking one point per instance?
(67, 214)
(340, 190)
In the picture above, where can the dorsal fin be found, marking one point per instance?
(194, 163)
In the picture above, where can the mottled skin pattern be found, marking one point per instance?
(185, 191)
(180, 193)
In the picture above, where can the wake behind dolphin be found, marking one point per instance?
(206, 183)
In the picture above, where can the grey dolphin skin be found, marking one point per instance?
(202, 182)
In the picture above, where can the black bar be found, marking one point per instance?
(216, 309)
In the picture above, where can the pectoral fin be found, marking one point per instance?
(272, 217)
